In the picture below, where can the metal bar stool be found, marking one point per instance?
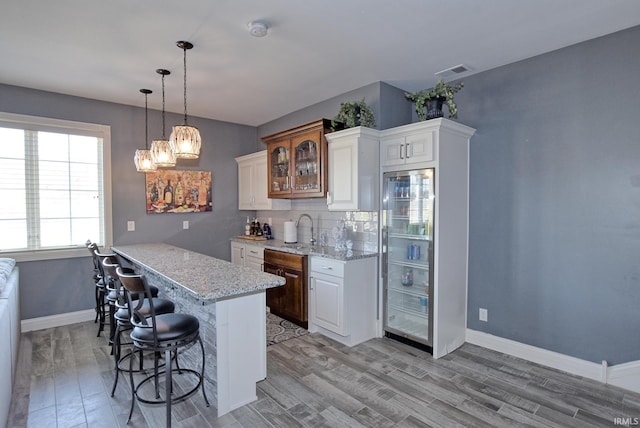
(110, 294)
(160, 333)
(100, 288)
(122, 316)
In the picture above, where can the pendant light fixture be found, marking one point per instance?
(142, 158)
(161, 152)
(185, 140)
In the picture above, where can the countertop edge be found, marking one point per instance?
(327, 252)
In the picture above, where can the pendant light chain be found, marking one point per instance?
(185, 85)
(163, 114)
(146, 122)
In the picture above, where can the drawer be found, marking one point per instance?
(283, 259)
(327, 266)
(255, 251)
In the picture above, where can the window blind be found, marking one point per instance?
(52, 185)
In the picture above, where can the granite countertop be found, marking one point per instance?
(308, 250)
(202, 276)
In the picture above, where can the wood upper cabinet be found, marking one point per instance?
(297, 161)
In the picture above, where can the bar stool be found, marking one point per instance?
(110, 294)
(122, 317)
(100, 288)
(160, 333)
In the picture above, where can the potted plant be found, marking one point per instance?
(354, 113)
(429, 102)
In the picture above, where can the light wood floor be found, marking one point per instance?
(65, 374)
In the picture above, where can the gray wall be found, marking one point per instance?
(555, 199)
(60, 286)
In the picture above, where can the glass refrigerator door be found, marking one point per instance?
(408, 231)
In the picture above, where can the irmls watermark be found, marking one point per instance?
(626, 422)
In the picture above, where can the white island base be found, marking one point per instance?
(230, 303)
(242, 349)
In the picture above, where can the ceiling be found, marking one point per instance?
(315, 49)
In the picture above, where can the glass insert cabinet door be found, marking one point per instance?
(279, 161)
(306, 162)
(296, 166)
(408, 209)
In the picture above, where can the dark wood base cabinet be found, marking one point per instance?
(290, 300)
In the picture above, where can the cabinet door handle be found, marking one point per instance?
(311, 281)
(406, 150)
(242, 253)
(261, 267)
(326, 267)
(401, 147)
(253, 252)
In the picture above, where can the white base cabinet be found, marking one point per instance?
(252, 184)
(342, 299)
(249, 255)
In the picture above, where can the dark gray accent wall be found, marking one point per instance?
(60, 286)
(555, 199)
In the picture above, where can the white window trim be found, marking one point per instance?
(57, 125)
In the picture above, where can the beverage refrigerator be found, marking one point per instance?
(408, 204)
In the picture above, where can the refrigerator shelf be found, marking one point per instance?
(417, 290)
(409, 236)
(407, 263)
(419, 329)
(413, 310)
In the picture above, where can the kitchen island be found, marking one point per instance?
(229, 301)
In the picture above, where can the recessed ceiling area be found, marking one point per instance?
(313, 50)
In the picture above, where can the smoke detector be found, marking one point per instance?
(258, 28)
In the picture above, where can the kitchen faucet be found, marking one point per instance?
(312, 241)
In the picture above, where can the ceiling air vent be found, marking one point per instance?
(452, 71)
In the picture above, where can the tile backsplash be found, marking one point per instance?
(361, 227)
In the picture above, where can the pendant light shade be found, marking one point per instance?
(142, 158)
(161, 152)
(185, 140)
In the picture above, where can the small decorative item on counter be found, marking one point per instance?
(407, 277)
(258, 229)
(266, 231)
(247, 227)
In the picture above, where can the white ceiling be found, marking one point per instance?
(315, 49)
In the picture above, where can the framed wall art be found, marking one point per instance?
(172, 191)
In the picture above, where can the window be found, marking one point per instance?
(54, 187)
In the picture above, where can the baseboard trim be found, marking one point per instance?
(625, 375)
(41, 323)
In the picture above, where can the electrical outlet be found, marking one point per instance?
(131, 226)
(483, 315)
(185, 224)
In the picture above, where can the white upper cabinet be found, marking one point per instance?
(411, 147)
(252, 184)
(354, 168)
